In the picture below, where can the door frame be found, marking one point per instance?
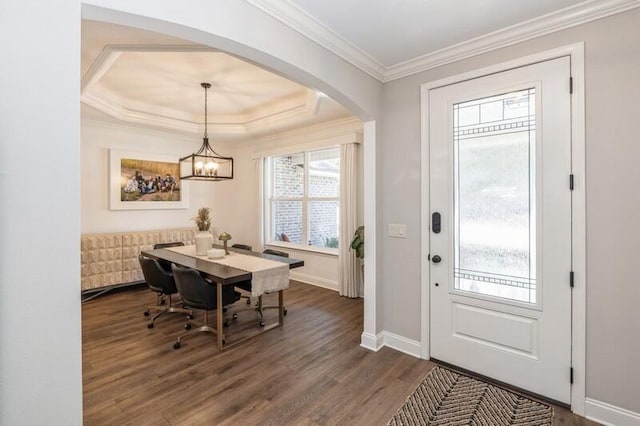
(578, 207)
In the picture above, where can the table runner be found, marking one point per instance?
(267, 275)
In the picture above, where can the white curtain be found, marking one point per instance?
(349, 265)
(259, 200)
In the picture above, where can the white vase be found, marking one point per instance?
(204, 241)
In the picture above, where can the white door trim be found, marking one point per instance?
(578, 207)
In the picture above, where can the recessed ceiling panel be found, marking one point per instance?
(171, 80)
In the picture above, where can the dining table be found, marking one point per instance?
(220, 274)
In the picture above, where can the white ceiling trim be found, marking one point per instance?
(299, 20)
(536, 27)
(111, 52)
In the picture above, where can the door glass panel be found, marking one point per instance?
(494, 196)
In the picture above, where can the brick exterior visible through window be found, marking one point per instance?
(303, 195)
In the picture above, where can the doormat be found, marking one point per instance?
(445, 398)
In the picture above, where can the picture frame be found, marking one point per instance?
(145, 181)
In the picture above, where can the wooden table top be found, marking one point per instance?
(216, 272)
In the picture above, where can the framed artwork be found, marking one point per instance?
(145, 181)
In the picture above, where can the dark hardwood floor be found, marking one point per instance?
(312, 371)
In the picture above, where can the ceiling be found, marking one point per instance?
(390, 39)
(427, 25)
(147, 78)
(144, 77)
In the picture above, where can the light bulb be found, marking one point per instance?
(210, 166)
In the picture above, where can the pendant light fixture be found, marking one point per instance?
(206, 164)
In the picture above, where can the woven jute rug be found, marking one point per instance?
(448, 398)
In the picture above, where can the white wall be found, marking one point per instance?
(97, 138)
(40, 330)
(234, 203)
(40, 352)
(613, 199)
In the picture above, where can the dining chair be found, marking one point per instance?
(201, 294)
(275, 252)
(162, 283)
(246, 286)
(248, 248)
(165, 264)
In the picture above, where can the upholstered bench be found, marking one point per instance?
(111, 260)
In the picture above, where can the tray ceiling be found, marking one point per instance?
(147, 78)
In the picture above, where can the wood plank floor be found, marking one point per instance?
(312, 371)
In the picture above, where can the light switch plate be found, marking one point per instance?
(398, 230)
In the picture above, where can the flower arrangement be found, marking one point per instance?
(203, 219)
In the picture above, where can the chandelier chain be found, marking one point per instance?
(206, 135)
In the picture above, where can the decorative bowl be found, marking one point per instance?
(215, 253)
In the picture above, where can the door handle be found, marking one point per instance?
(436, 259)
(435, 222)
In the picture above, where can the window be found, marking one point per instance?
(302, 193)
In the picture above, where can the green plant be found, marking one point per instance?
(331, 242)
(358, 242)
(203, 219)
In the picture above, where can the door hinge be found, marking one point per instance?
(570, 85)
(571, 182)
(571, 279)
(571, 375)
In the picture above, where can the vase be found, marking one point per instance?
(204, 241)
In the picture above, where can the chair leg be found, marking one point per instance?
(205, 328)
(264, 307)
(257, 309)
(164, 310)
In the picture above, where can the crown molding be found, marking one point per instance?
(300, 21)
(527, 30)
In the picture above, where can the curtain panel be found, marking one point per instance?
(349, 280)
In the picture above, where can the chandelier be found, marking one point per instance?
(206, 164)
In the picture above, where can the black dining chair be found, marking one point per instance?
(261, 306)
(275, 252)
(243, 287)
(246, 286)
(165, 264)
(162, 283)
(201, 294)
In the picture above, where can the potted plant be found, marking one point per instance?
(204, 240)
(357, 243)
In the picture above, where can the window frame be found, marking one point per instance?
(270, 199)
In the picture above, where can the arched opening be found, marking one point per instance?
(366, 111)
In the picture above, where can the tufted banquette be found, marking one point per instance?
(111, 259)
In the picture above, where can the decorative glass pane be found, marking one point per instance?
(494, 197)
(287, 221)
(324, 173)
(323, 223)
(288, 176)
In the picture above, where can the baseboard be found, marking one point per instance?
(402, 344)
(373, 342)
(609, 414)
(313, 280)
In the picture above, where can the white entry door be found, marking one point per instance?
(500, 238)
